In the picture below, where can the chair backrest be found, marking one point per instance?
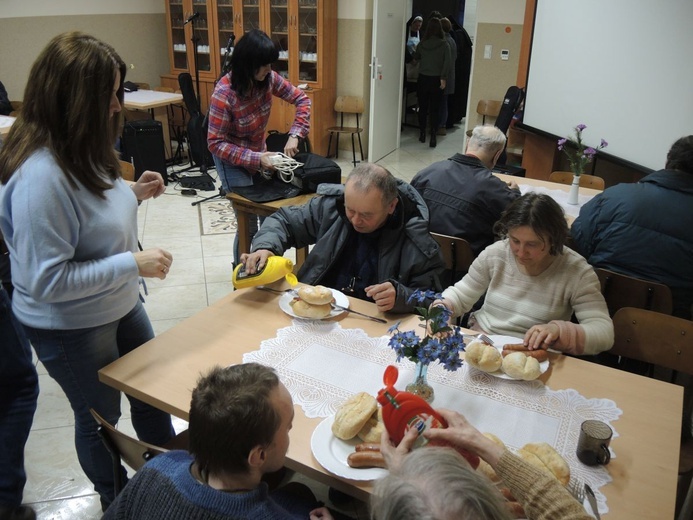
(652, 337)
(488, 107)
(620, 290)
(457, 255)
(133, 452)
(127, 170)
(349, 104)
(586, 181)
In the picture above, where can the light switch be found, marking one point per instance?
(505, 54)
(488, 49)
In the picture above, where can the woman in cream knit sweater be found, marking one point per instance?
(534, 284)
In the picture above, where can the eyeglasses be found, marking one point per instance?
(351, 288)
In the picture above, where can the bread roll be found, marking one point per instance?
(306, 310)
(318, 295)
(485, 467)
(373, 428)
(519, 366)
(353, 414)
(483, 356)
(547, 459)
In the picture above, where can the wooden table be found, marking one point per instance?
(155, 102)
(164, 371)
(247, 209)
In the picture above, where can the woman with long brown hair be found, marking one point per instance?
(70, 223)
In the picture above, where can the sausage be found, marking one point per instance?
(368, 446)
(366, 459)
(516, 347)
(539, 354)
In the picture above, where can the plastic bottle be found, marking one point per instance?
(275, 268)
(404, 410)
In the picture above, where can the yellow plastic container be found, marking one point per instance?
(275, 268)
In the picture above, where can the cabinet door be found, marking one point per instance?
(200, 33)
(249, 16)
(308, 29)
(226, 20)
(178, 49)
(182, 55)
(278, 27)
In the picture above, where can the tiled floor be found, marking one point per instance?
(57, 488)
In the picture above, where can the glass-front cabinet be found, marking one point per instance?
(189, 28)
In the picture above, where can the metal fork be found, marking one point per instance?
(576, 487)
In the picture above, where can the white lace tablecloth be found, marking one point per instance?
(561, 197)
(322, 364)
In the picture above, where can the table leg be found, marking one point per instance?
(161, 114)
(243, 230)
(301, 254)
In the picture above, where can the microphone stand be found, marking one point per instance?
(224, 70)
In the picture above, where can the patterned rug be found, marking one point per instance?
(217, 218)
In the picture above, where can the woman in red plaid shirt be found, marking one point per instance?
(239, 111)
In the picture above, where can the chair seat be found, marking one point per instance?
(345, 129)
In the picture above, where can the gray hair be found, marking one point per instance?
(368, 175)
(487, 137)
(436, 484)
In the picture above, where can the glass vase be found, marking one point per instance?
(574, 188)
(420, 384)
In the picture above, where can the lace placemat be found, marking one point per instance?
(322, 364)
(561, 197)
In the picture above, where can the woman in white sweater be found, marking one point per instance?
(533, 284)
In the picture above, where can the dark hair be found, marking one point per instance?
(67, 110)
(253, 50)
(433, 30)
(542, 214)
(680, 156)
(230, 414)
(446, 25)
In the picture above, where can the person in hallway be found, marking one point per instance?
(435, 62)
(434, 482)
(645, 229)
(450, 83)
(18, 395)
(70, 224)
(371, 239)
(239, 112)
(240, 419)
(534, 284)
(464, 197)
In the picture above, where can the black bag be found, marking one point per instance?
(315, 170)
(276, 141)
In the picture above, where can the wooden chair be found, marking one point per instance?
(487, 107)
(665, 341)
(457, 255)
(16, 107)
(350, 105)
(586, 181)
(127, 171)
(620, 291)
(133, 452)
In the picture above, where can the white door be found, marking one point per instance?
(387, 64)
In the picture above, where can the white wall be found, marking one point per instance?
(22, 8)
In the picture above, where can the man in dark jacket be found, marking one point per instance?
(5, 105)
(465, 199)
(645, 229)
(371, 239)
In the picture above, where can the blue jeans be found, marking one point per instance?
(232, 176)
(18, 394)
(73, 358)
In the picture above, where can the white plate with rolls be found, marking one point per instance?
(332, 454)
(499, 342)
(339, 298)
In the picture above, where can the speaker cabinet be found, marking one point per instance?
(143, 145)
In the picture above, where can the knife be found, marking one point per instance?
(593, 501)
(334, 305)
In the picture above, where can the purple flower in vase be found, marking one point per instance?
(580, 127)
(589, 152)
(561, 143)
(603, 144)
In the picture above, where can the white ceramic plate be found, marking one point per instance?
(332, 454)
(499, 342)
(339, 298)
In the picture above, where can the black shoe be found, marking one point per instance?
(422, 137)
(433, 142)
(17, 513)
